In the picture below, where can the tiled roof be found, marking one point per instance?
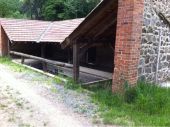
(60, 30)
(21, 30)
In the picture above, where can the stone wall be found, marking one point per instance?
(154, 62)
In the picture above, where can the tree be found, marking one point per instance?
(67, 9)
(33, 8)
(78, 8)
(53, 10)
(46, 9)
(10, 8)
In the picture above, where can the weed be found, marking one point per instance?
(144, 105)
(58, 80)
(13, 66)
(53, 89)
(69, 84)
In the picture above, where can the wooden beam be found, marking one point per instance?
(22, 60)
(69, 55)
(9, 47)
(42, 59)
(43, 50)
(76, 63)
(100, 24)
(44, 73)
(96, 82)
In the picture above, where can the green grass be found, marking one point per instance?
(36, 76)
(70, 84)
(144, 105)
(13, 66)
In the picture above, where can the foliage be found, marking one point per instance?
(33, 8)
(11, 65)
(53, 10)
(78, 8)
(10, 8)
(46, 9)
(71, 84)
(57, 9)
(144, 105)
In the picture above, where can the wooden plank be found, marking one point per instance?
(76, 63)
(94, 82)
(98, 73)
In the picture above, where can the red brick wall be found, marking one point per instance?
(128, 41)
(3, 42)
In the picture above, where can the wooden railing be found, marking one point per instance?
(67, 69)
(23, 55)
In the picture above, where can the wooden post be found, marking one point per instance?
(43, 50)
(69, 55)
(76, 63)
(22, 60)
(9, 47)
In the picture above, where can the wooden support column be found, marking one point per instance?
(22, 60)
(69, 55)
(76, 64)
(9, 48)
(43, 52)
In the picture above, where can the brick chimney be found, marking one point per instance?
(128, 41)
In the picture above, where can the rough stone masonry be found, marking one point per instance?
(154, 64)
(142, 42)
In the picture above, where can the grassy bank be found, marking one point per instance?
(15, 67)
(34, 75)
(144, 105)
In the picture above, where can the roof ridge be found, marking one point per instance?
(44, 32)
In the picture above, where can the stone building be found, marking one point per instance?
(139, 32)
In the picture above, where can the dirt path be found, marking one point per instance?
(21, 105)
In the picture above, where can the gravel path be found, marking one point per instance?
(24, 101)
